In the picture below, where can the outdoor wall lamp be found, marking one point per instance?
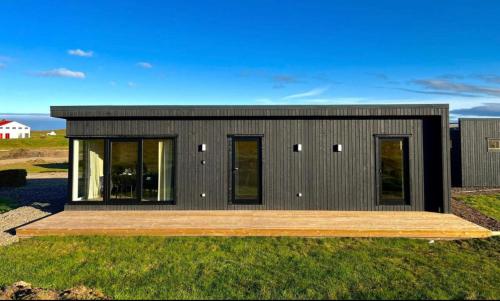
(297, 147)
(337, 148)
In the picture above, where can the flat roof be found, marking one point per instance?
(166, 111)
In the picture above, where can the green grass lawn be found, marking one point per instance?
(38, 140)
(37, 167)
(6, 205)
(487, 204)
(254, 268)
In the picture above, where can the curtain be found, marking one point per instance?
(165, 170)
(96, 170)
(76, 161)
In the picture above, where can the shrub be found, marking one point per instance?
(13, 177)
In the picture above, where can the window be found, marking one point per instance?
(158, 170)
(88, 170)
(130, 171)
(393, 171)
(494, 145)
(124, 170)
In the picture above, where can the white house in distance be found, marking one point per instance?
(13, 130)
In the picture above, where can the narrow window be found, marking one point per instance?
(88, 170)
(494, 144)
(158, 170)
(393, 171)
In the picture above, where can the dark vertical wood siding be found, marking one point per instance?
(328, 180)
(480, 168)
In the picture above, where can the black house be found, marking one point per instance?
(381, 157)
(475, 152)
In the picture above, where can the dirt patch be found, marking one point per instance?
(25, 291)
(20, 153)
(474, 190)
(460, 209)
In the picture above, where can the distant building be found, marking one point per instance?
(13, 130)
(52, 133)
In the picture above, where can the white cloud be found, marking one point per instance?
(310, 93)
(112, 83)
(79, 52)
(145, 65)
(2, 65)
(61, 72)
(456, 88)
(131, 84)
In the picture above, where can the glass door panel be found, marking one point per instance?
(393, 171)
(246, 170)
(124, 170)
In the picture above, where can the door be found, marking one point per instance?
(1, 136)
(246, 169)
(124, 171)
(393, 176)
(7, 136)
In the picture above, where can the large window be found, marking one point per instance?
(88, 170)
(123, 171)
(393, 173)
(494, 144)
(158, 170)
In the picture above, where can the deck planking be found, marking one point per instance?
(256, 223)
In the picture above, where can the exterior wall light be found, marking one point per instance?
(297, 147)
(203, 195)
(337, 148)
(202, 148)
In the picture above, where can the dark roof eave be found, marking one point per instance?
(76, 112)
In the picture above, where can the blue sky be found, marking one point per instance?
(250, 52)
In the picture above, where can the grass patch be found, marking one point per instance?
(33, 167)
(39, 139)
(7, 205)
(487, 204)
(259, 268)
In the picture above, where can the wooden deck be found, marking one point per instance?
(256, 223)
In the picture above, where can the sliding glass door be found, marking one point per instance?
(119, 171)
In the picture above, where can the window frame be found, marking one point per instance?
(407, 201)
(492, 150)
(139, 201)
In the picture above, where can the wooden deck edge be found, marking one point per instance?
(444, 234)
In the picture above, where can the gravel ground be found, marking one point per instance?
(44, 194)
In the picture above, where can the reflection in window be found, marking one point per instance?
(494, 145)
(124, 158)
(393, 171)
(88, 170)
(158, 170)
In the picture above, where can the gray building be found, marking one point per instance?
(381, 157)
(475, 152)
